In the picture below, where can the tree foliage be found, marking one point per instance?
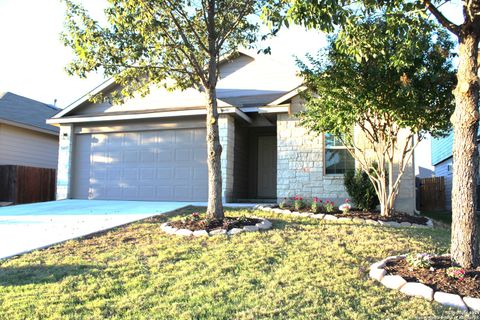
(400, 87)
(148, 42)
(174, 44)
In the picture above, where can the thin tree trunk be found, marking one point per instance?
(214, 149)
(214, 152)
(464, 246)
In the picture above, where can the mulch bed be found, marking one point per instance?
(354, 213)
(437, 278)
(397, 217)
(203, 224)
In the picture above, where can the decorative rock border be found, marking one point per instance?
(417, 289)
(323, 216)
(263, 225)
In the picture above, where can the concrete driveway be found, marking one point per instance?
(32, 226)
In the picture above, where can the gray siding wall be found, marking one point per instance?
(240, 166)
(25, 147)
(441, 170)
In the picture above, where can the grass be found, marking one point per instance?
(441, 216)
(301, 269)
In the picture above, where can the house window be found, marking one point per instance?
(338, 159)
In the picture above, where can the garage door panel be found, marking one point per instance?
(183, 155)
(165, 138)
(180, 192)
(154, 165)
(147, 157)
(165, 155)
(165, 193)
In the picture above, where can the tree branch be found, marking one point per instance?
(452, 27)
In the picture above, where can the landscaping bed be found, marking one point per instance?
(396, 217)
(209, 225)
(436, 276)
(199, 225)
(433, 278)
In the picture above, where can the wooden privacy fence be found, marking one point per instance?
(19, 184)
(432, 194)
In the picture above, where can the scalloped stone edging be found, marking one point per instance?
(322, 216)
(263, 225)
(417, 289)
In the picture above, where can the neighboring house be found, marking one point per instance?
(442, 160)
(423, 158)
(154, 148)
(25, 138)
(28, 150)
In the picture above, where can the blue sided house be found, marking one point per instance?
(442, 160)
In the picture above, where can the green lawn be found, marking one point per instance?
(301, 269)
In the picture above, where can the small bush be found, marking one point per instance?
(361, 190)
(283, 204)
(298, 203)
(420, 260)
(456, 273)
(329, 206)
(316, 205)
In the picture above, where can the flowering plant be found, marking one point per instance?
(195, 216)
(298, 203)
(456, 273)
(316, 205)
(329, 205)
(419, 260)
(283, 204)
(346, 206)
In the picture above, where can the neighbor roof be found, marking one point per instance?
(25, 112)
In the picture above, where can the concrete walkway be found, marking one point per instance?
(32, 226)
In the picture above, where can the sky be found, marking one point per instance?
(33, 59)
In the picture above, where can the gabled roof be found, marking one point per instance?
(246, 80)
(27, 113)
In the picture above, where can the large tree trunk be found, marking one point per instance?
(464, 247)
(214, 152)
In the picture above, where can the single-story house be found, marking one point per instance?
(28, 150)
(25, 138)
(154, 148)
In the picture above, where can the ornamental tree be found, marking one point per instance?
(376, 104)
(175, 44)
(326, 14)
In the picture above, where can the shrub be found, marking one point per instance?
(298, 203)
(361, 190)
(419, 260)
(283, 204)
(456, 273)
(316, 205)
(345, 208)
(329, 206)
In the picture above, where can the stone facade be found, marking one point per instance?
(226, 125)
(300, 166)
(64, 162)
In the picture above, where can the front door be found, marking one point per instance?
(267, 167)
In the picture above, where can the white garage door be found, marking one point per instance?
(165, 165)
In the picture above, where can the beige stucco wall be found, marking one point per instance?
(300, 168)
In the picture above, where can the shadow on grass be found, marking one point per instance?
(40, 274)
